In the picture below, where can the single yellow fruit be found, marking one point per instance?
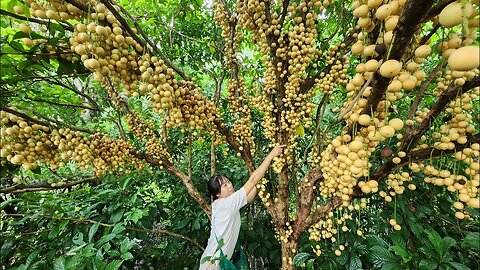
(396, 123)
(361, 11)
(454, 14)
(364, 119)
(459, 215)
(465, 58)
(383, 12)
(474, 203)
(18, 9)
(371, 65)
(372, 4)
(391, 22)
(25, 28)
(357, 48)
(423, 51)
(390, 68)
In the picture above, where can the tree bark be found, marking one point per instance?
(289, 249)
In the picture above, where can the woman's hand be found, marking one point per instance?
(277, 150)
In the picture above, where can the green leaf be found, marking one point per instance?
(380, 255)
(126, 245)
(19, 34)
(127, 256)
(17, 46)
(391, 266)
(427, 265)
(436, 241)
(74, 261)
(7, 202)
(62, 225)
(343, 258)
(118, 228)
(59, 264)
(253, 246)
(74, 250)
(375, 240)
(92, 231)
(114, 265)
(448, 242)
(105, 239)
(398, 240)
(471, 240)
(459, 266)
(415, 226)
(117, 215)
(78, 239)
(6, 248)
(401, 252)
(53, 233)
(31, 258)
(355, 262)
(99, 261)
(135, 215)
(309, 264)
(301, 258)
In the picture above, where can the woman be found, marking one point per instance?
(226, 212)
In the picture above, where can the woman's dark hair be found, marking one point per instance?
(214, 186)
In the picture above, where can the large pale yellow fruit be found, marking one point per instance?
(465, 58)
(390, 68)
(454, 14)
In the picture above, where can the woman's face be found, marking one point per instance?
(226, 188)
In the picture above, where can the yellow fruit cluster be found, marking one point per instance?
(119, 61)
(143, 130)
(28, 144)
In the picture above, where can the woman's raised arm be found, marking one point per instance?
(260, 171)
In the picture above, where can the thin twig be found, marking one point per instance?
(421, 91)
(61, 104)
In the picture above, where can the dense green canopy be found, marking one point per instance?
(115, 114)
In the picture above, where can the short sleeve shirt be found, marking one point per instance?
(225, 225)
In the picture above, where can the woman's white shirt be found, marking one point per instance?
(225, 225)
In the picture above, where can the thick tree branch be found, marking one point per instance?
(419, 155)
(186, 180)
(246, 155)
(24, 116)
(306, 199)
(321, 211)
(413, 13)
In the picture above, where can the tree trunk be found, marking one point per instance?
(289, 249)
